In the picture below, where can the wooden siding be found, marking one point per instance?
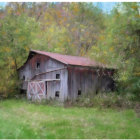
(53, 86)
(82, 79)
(30, 70)
(86, 80)
(52, 67)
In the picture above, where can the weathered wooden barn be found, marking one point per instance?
(52, 75)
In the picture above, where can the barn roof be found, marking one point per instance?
(70, 60)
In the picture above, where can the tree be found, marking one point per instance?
(17, 34)
(119, 46)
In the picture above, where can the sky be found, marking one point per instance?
(106, 6)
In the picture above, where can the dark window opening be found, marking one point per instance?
(23, 77)
(38, 65)
(97, 91)
(79, 92)
(57, 76)
(57, 94)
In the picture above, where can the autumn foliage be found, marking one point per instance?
(71, 28)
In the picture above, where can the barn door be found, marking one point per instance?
(36, 90)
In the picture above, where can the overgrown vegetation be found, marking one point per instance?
(91, 100)
(22, 120)
(106, 100)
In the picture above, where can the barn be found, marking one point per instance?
(51, 75)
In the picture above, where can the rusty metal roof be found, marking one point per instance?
(71, 60)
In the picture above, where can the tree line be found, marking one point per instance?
(81, 29)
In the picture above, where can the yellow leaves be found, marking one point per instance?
(137, 74)
(134, 7)
(48, 16)
(111, 49)
(82, 52)
(51, 30)
(132, 51)
(9, 11)
(5, 49)
(2, 32)
(105, 53)
(81, 38)
(82, 26)
(62, 39)
(65, 19)
(59, 14)
(22, 38)
(72, 46)
(95, 48)
(127, 61)
(122, 32)
(68, 39)
(102, 37)
(73, 29)
(26, 48)
(109, 35)
(124, 77)
(60, 21)
(75, 8)
(68, 25)
(102, 61)
(12, 63)
(16, 31)
(138, 16)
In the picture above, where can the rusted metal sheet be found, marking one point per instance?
(71, 60)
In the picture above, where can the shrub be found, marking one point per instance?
(107, 100)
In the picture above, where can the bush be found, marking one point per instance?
(107, 100)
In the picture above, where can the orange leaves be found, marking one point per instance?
(75, 8)
(134, 7)
(58, 14)
(65, 19)
(73, 29)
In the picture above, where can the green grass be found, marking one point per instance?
(19, 119)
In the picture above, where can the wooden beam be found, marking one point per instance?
(48, 72)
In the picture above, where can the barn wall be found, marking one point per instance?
(53, 86)
(82, 79)
(30, 70)
(86, 79)
(46, 64)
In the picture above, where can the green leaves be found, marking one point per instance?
(121, 41)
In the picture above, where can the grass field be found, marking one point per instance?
(19, 119)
